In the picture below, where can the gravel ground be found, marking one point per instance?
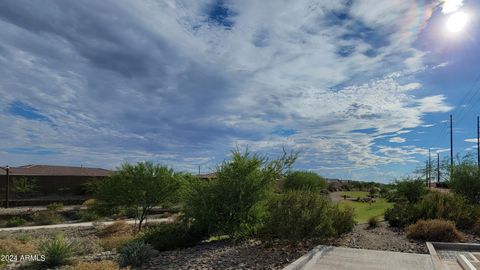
(380, 238)
(224, 255)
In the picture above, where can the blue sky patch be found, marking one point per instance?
(24, 110)
(30, 151)
(220, 15)
(284, 132)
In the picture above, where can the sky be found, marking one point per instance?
(360, 88)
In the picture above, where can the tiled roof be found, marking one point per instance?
(56, 171)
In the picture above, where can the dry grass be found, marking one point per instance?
(100, 265)
(116, 229)
(115, 242)
(12, 246)
(434, 230)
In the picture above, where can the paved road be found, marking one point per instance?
(81, 224)
(339, 258)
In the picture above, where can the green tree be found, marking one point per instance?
(410, 190)
(233, 203)
(23, 186)
(466, 180)
(304, 180)
(141, 186)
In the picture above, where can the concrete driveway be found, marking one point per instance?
(339, 258)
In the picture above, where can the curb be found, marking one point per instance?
(312, 256)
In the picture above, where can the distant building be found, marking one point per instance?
(207, 176)
(50, 180)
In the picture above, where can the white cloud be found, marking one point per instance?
(170, 86)
(397, 140)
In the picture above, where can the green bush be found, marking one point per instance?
(232, 204)
(373, 222)
(55, 207)
(401, 214)
(466, 181)
(87, 215)
(15, 222)
(136, 253)
(298, 214)
(434, 230)
(343, 219)
(46, 218)
(410, 190)
(304, 180)
(58, 251)
(169, 236)
(435, 205)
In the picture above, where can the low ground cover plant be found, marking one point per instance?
(136, 253)
(434, 230)
(372, 222)
(15, 222)
(46, 218)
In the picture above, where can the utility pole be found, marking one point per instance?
(426, 173)
(438, 167)
(451, 147)
(429, 167)
(198, 169)
(478, 142)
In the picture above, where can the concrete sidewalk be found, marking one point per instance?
(80, 224)
(339, 258)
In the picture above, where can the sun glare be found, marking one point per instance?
(456, 22)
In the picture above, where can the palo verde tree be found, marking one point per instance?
(140, 186)
(233, 203)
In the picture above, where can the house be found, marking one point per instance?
(207, 176)
(51, 180)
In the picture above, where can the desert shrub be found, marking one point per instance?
(46, 218)
(168, 236)
(434, 230)
(410, 190)
(87, 215)
(55, 206)
(97, 265)
(136, 253)
(115, 242)
(58, 251)
(401, 214)
(116, 228)
(343, 219)
(15, 222)
(466, 181)
(232, 204)
(437, 205)
(100, 208)
(298, 214)
(87, 245)
(304, 180)
(373, 222)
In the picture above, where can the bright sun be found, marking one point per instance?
(457, 21)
